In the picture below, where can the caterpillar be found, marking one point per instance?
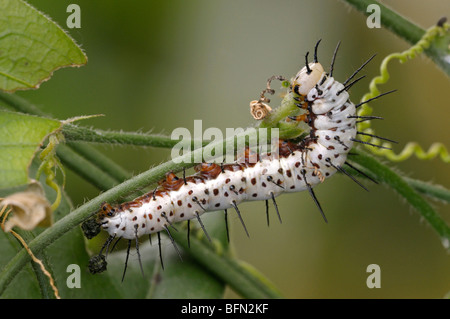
(298, 166)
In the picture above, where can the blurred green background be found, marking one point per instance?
(158, 65)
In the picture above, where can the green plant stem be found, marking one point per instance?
(146, 178)
(42, 279)
(433, 191)
(101, 161)
(408, 31)
(77, 133)
(391, 20)
(397, 183)
(20, 104)
(73, 133)
(71, 154)
(273, 120)
(85, 168)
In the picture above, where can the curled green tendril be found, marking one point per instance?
(412, 148)
(50, 163)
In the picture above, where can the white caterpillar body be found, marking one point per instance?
(217, 187)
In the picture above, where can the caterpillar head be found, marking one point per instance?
(106, 210)
(307, 78)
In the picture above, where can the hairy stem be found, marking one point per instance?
(101, 161)
(391, 20)
(77, 133)
(393, 180)
(408, 31)
(436, 192)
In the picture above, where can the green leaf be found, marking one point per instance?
(20, 137)
(32, 47)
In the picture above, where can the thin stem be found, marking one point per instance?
(82, 134)
(41, 266)
(391, 20)
(397, 183)
(44, 282)
(77, 133)
(20, 104)
(85, 168)
(72, 155)
(407, 30)
(433, 191)
(100, 160)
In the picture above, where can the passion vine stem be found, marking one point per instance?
(396, 182)
(391, 20)
(70, 155)
(86, 169)
(96, 159)
(83, 134)
(407, 30)
(436, 192)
